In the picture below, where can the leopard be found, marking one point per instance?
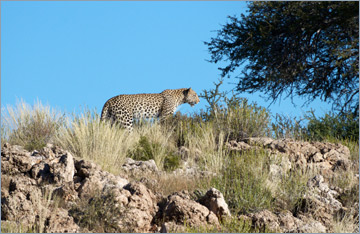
(125, 108)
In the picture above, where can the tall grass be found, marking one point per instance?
(243, 182)
(88, 138)
(206, 148)
(108, 145)
(30, 126)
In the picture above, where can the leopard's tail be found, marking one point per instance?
(105, 112)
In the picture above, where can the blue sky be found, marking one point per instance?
(74, 54)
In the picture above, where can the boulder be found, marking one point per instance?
(215, 202)
(135, 207)
(181, 210)
(284, 221)
(237, 146)
(90, 179)
(322, 157)
(139, 167)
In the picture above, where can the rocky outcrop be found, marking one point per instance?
(32, 178)
(315, 213)
(284, 221)
(50, 191)
(179, 210)
(322, 157)
(320, 202)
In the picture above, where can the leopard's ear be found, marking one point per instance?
(186, 91)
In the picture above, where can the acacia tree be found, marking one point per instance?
(309, 49)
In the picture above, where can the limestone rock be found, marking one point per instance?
(237, 146)
(139, 167)
(61, 222)
(215, 202)
(180, 209)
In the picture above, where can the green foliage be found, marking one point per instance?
(338, 126)
(291, 189)
(171, 162)
(31, 127)
(330, 127)
(145, 150)
(238, 119)
(14, 227)
(287, 127)
(231, 225)
(233, 115)
(98, 214)
(304, 48)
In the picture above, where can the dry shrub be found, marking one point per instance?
(30, 126)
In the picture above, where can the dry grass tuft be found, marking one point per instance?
(88, 138)
(30, 126)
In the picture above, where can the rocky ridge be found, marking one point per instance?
(45, 191)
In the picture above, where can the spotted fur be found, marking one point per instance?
(125, 108)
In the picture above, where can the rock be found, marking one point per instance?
(265, 220)
(61, 222)
(319, 207)
(172, 227)
(139, 167)
(15, 159)
(90, 179)
(215, 202)
(320, 191)
(65, 170)
(284, 221)
(311, 226)
(137, 207)
(322, 157)
(262, 141)
(237, 146)
(289, 223)
(181, 210)
(21, 207)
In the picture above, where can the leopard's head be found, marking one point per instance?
(191, 97)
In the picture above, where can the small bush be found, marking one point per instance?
(31, 127)
(97, 214)
(238, 119)
(287, 127)
(144, 150)
(171, 162)
(339, 126)
(233, 115)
